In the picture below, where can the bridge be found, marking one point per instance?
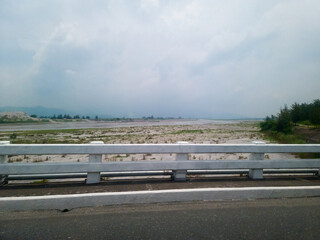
(256, 166)
(179, 167)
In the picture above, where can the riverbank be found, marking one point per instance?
(203, 132)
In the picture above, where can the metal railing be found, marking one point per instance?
(179, 167)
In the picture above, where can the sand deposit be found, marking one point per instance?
(206, 133)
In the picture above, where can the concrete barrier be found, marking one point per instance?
(94, 166)
(62, 202)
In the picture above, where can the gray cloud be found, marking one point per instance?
(166, 58)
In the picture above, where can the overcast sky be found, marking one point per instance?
(163, 58)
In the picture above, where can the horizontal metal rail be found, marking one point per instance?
(94, 167)
(51, 149)
(160, 173)
(41, 168)
(84, 175)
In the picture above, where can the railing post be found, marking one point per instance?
(180, 175)
(256, 173)
(94, 177)
(3, 159)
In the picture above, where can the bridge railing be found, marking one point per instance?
(179, 167)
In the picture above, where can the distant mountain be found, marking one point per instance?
(226, 116)
(44, 111)
(38, 110)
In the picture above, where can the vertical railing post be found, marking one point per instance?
(94, 177)
(180, 175)
(3, 159)
(255, 173)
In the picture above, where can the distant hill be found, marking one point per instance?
(11, 117)
(44, 111)
(38, 110)
(229, 116)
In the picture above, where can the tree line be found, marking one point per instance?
(64, 116)
(308, 114)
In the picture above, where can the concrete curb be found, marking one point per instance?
(71, 201)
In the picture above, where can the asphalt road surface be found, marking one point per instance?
(259, 219)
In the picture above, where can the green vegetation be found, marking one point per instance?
(284, 128)
(303, 114)
(13, 136)
(279, 137)
(41, 181)
(189, 131)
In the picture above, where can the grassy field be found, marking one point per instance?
(300, 135)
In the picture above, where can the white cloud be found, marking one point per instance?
(193, 58)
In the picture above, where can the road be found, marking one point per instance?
(259, 219)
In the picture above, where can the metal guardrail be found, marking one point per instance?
(179, 168)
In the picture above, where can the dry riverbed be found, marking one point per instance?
(208, 133)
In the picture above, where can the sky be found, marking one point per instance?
(169, 58)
